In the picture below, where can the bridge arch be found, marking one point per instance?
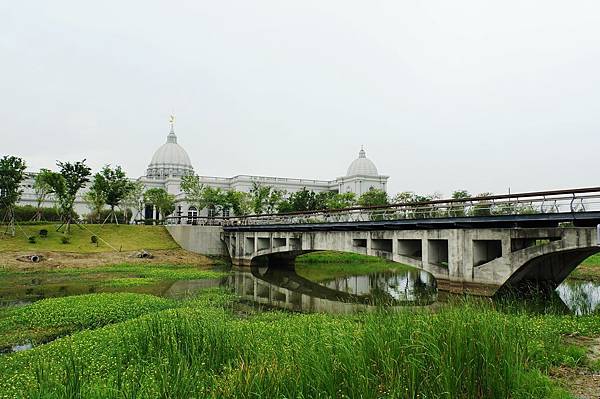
(547, 270)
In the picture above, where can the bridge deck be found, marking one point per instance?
(578, 219)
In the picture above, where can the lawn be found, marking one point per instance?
(121, 237)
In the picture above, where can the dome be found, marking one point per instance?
(362, 166)
(170, 160)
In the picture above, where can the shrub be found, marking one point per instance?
(31, 239)
(99, 218)
(65, 239)
(43, 233)
(27, 212)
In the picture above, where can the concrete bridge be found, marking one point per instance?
(479, 261)
(475, 245)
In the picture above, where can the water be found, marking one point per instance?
(581, 297)
(286, 289)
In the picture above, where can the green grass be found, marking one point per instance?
(201, 349)
(49, 317)
(326, 265)
(337, 257)
(593, 260)
(124, 237)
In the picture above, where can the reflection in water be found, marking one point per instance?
(582, 297)
(285, 289)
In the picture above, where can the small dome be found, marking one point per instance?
(170, 160)
(362, 166)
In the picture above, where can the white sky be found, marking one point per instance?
(477, 95)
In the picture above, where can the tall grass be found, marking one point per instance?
(467, 351)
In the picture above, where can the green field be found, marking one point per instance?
(123, 237)
(203, 348)
(319, 266)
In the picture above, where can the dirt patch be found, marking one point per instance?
(54, 260)
(582, 382)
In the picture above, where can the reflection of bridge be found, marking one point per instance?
(287, 290)
(472, 245)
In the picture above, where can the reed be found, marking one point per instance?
(201, 349)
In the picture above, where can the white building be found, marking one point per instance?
(171, 162)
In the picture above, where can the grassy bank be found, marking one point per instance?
(124, 237)
(201, 349)
(589, 270)
(326, 265)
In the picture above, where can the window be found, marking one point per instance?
(192, 215)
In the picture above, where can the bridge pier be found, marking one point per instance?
(477, 261)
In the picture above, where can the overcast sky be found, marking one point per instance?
(444, 95)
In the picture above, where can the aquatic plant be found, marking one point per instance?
(201, 349)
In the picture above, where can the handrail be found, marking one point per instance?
(435, 202)
(541, 202)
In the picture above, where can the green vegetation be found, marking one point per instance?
(124, 237)
(201, 349)
(48, 318)
(141, 278)
(589, 270)
(338, 257)
(326, 265)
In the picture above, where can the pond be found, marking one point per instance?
(287, 289)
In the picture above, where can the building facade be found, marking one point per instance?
(171, 162)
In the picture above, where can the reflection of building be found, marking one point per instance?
(171, 162)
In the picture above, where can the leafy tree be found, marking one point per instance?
(300, 201)
(265, 199)
(65, 185)
(43, 190)
(341, 200)
(162, 200)
(112, 185)
(134, 200)
(374, 197)
(201, 196)
(215, 200)
(12, 174)
(458, 209)
(239, 202)
(95, 201)
(193, 190)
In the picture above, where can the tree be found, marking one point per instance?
(112, 185)
(65, 185)
(458, 209)
(95, 201)
(373, 197)
(265, 199)
(193, 190)
(43, 190)
(239, 202)
(162, 200)
(134, 200)
(12, 174)
(340, 201)
(215, 200)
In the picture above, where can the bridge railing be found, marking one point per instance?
(544, 202)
